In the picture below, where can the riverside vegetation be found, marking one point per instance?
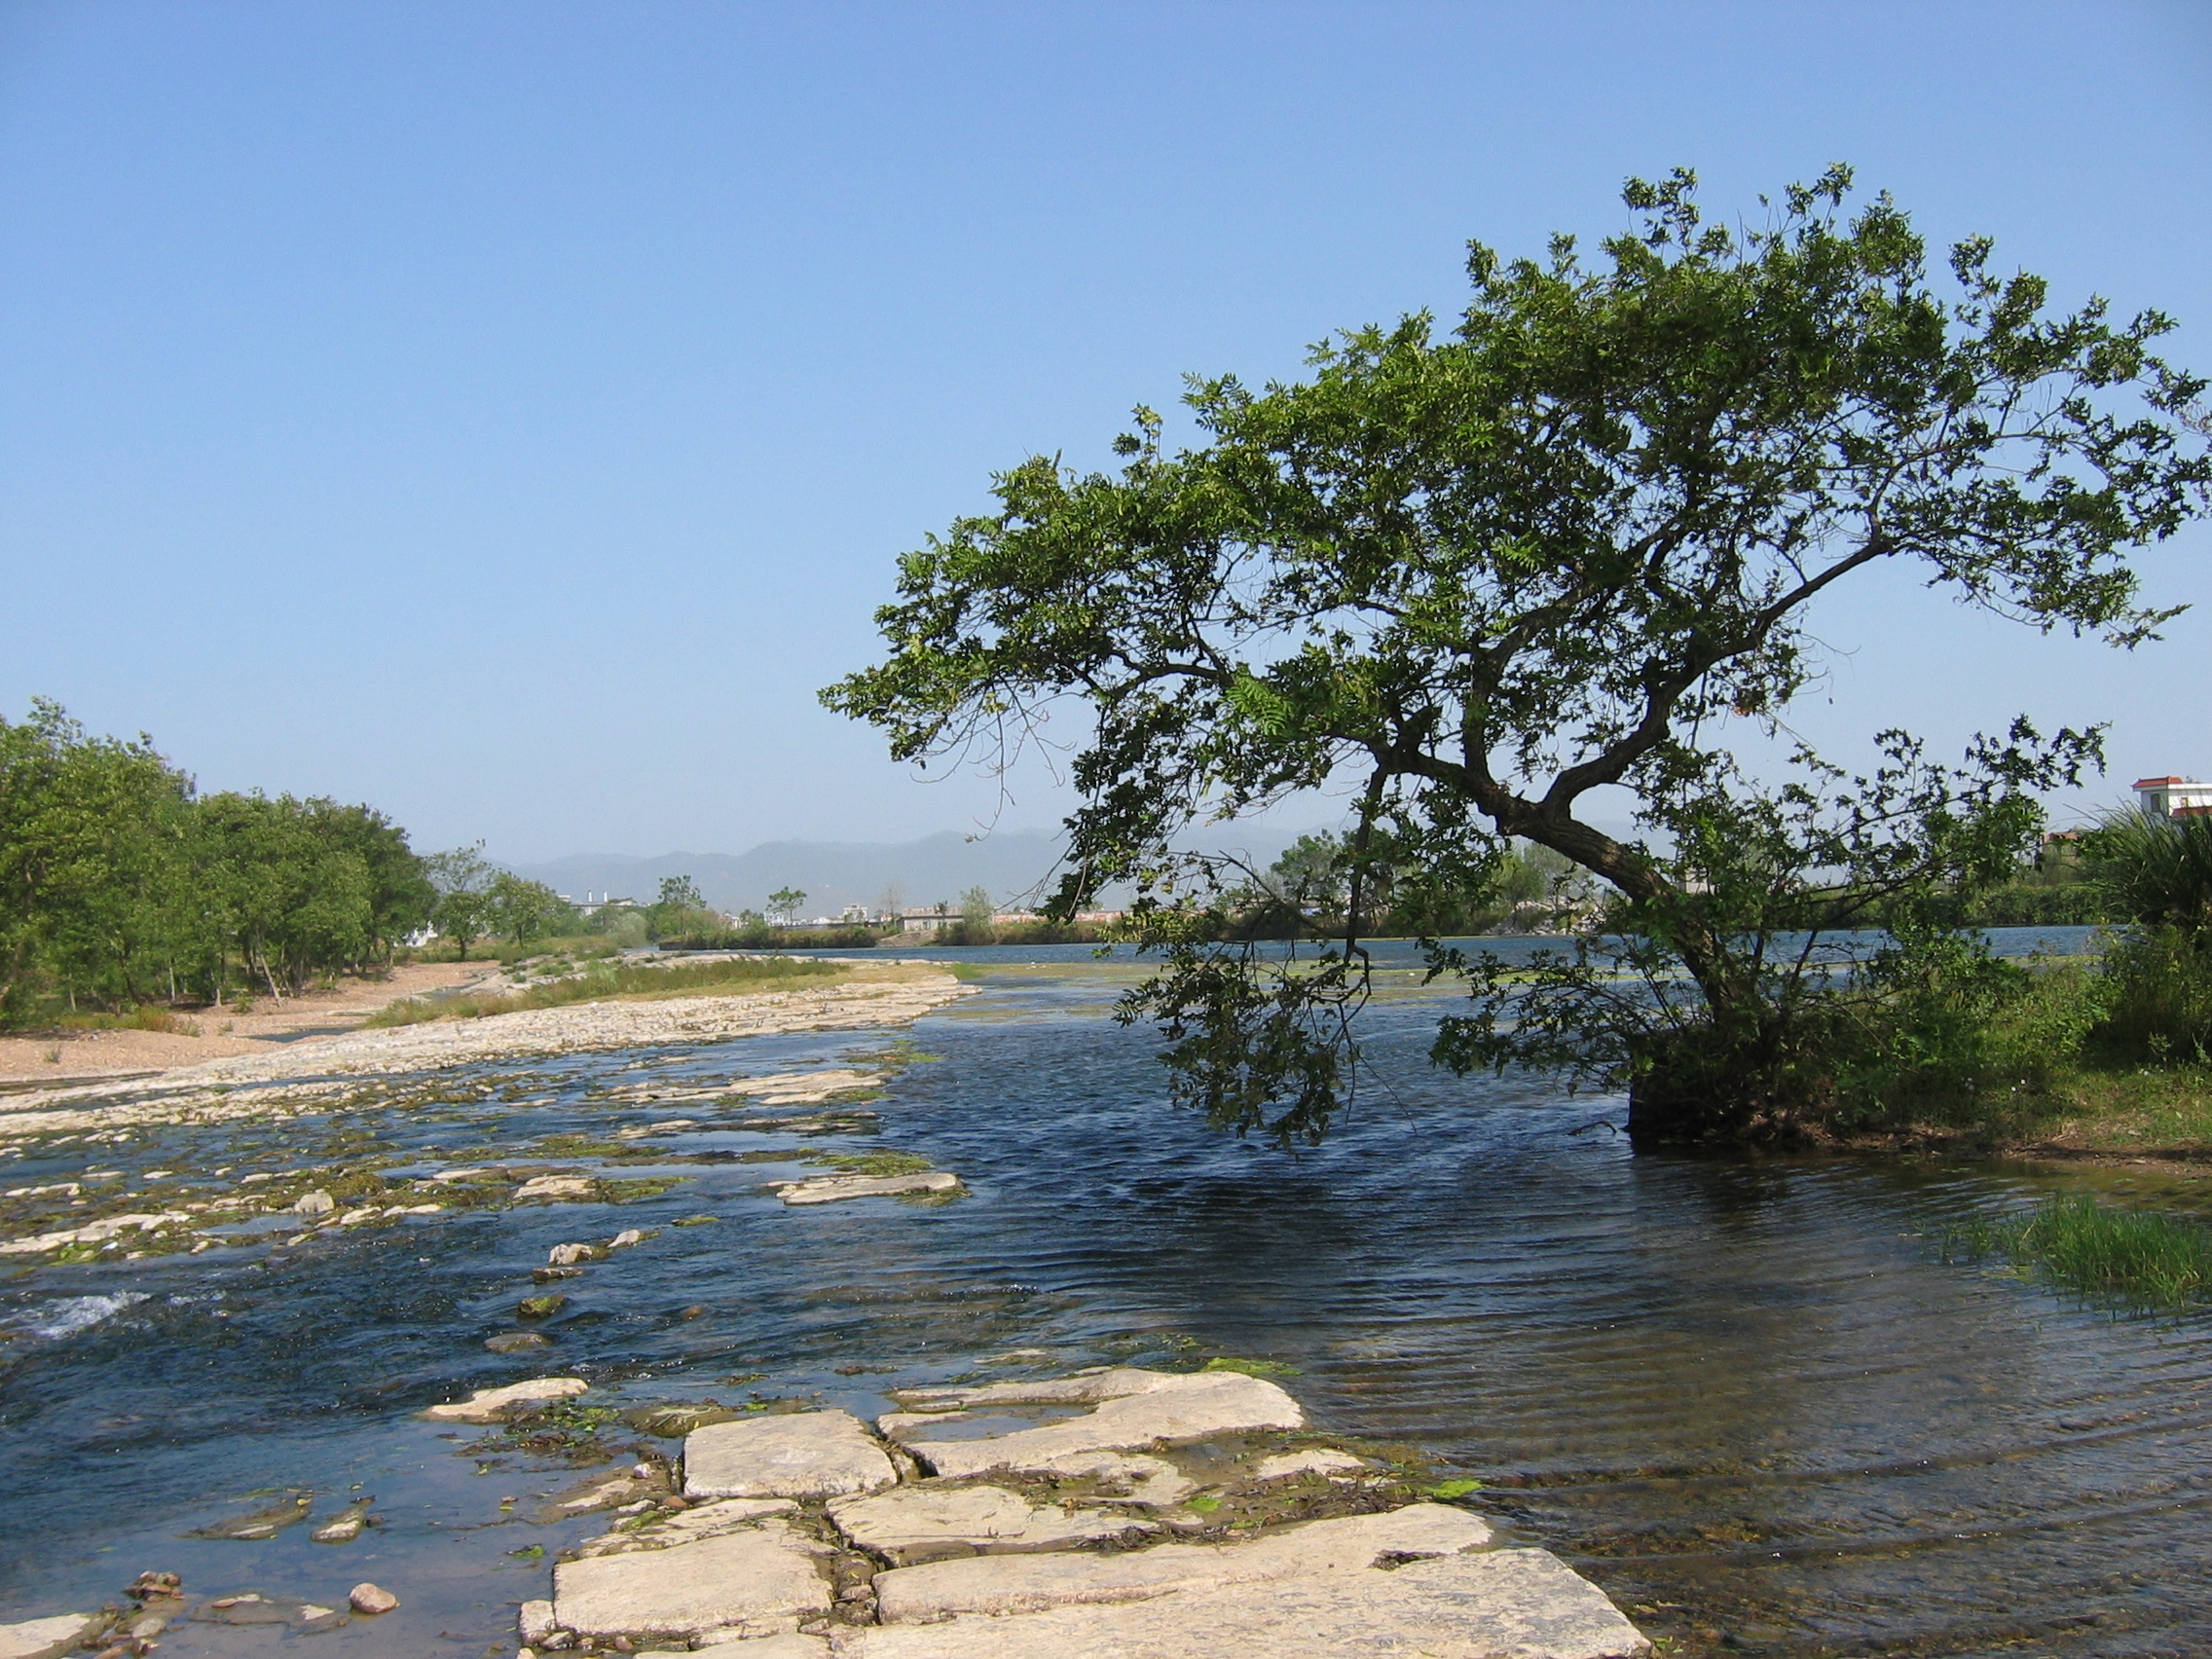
(1580, 544)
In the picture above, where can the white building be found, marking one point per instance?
(2173, 797)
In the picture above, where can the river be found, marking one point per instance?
(1747, 1396)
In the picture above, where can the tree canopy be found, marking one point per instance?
(1573, 544)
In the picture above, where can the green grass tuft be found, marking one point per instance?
(1250, 1367)
(2142, 1258)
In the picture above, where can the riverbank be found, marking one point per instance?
(38, 1057)
(317, 1072)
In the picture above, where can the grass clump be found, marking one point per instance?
(1250, 1367)
(603, 982)
(2143, 1258)
(873, 1163)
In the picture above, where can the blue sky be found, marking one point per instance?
(508, 414)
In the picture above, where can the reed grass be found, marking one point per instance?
(2140, 1257)
(602, 981)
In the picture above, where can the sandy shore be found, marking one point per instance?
(247, 1083)
(223, 1033)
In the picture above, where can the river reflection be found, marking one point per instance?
(1747, 1396)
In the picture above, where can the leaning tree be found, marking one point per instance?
(1575, 543)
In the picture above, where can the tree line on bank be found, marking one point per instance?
(123, 887)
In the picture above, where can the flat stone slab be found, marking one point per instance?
(1028, 1584)
(805, 1454)
(1321, 1461)
(759, 1580)
(829, 1188)
(687, 1526)
(1166, 1408)
(930, 1522)
(490, 1405)
(40, 1639)
(791, 1646)
(1522, 1603)
(1151, 1481)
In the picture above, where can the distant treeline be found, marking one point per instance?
(120, 884)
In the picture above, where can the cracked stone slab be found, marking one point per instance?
(1153, 1481)
(687, 1526)
(1161, 1408)
(490, 1405)
(804, 1455)
(1028, 1584)
(762, 1581)
(1522, 1603)
(928, 1522)
(829, 1188)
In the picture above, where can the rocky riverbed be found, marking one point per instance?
(1117, 1513)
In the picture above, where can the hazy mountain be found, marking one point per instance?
(1015, 867)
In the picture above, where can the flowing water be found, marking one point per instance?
(1749, 1397)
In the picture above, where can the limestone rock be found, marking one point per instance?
(535, 1623)
(490, 1405)
(371, 1599)
(687, 1526)
(343, 1528)
(628, 1236)
(828, 1189)
(1525, 1604)
(930, 1521)
(805, 1454)
(1162, 1408)
(758, 1580)
(317, 1202)
(1131, 1477)
(1321, 1461)
(569, 1255)
(789, 1645)
(41, 1639)
(555, 1187)
(1032, 1583)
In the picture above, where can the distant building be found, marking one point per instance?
(2174, 797)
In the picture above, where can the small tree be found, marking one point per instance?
(784, 904)
(976, 912)
(462, 880)
(519, 911)
(1575, 546)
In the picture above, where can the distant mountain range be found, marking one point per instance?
(1015, 867)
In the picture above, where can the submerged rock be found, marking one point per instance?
(516, 1341)
(260, 1524)
(929, 1521)
(490, 1405)
(1132, 1408)
(556, 1187)
(1321, 1461)
(570, 1254)
(829, 1188)
(1522, 1602)
(804, 1455)
(343, 1528)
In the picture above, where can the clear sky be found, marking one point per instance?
(508, 414)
